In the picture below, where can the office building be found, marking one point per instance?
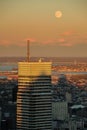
(34, 98)
(60, 110)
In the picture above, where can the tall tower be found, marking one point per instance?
(28, 49)
(34, 104)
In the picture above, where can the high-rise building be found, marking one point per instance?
(34, 104)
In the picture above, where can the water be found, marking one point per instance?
(8, 67)
(68, 73)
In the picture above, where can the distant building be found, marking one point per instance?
(60, 110)
(68, 97)
(0, 117)
(34, 98)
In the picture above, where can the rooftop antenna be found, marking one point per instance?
(28, 49)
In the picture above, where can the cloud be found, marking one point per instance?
(72, 38)
(52, 41)
(67, 39)
(68, 33)
(66, 44)
(17, 42)
(48, 42)
(61, 40)
(5, 42)
(31, 39)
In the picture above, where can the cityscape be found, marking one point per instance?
(43, 65)
(68, 91)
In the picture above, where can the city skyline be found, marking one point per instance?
(49, 35)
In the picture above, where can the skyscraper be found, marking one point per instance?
(34, 105)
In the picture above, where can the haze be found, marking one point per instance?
(49, 36)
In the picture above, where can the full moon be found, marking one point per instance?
(58, 14)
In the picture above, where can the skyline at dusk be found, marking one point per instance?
(49, 35)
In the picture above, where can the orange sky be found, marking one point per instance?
(35, 20)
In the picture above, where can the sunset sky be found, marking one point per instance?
(49, 36)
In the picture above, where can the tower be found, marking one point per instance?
(28, 49)
(34, 104)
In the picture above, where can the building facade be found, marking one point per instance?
(60, 110)
(34, 98)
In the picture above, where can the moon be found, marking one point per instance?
(58, 14)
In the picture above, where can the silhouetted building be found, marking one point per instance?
(34, 98)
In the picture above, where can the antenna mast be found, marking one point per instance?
(28, 49)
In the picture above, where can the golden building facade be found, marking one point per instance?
(34, 98)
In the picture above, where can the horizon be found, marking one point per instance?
(43, 57)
